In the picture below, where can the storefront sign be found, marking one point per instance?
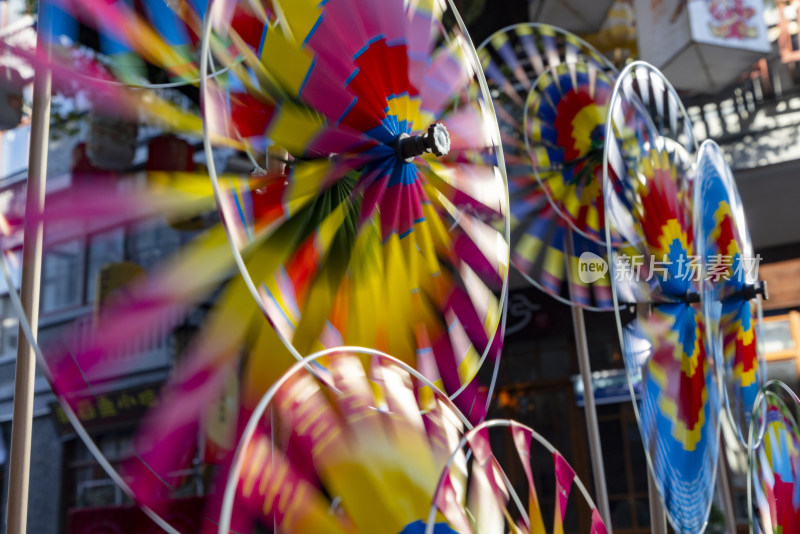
(609, 387)
(185, 515)
(115, 408)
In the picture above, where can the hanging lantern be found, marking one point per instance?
(83, 171)
(169, 153)
(11, 83)
(620, 24)
(701, 45)
(112, 142)
(617, 37)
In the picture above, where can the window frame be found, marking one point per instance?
(793, 318)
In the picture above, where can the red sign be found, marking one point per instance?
(185, 515)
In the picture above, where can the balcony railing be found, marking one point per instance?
(755, 119)
(153, 350)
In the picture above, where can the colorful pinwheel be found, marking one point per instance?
(478, 498)
(664, 346)
(730, 285)
(383, 232)
(550, 92)
(774, 475)
(345, 441)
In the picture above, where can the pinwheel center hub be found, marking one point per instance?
(435, 141)
(691, 297)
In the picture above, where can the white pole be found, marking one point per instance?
(22, 422)
(589, 407)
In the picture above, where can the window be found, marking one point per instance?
(626, 468)
(90, 486)
(14, 150)
(107, 247)
(781, 343)
(778, 336)
(152, 242)
(9, 327)
(785, 371)
(62, 276)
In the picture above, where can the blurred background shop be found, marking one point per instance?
(747, 98)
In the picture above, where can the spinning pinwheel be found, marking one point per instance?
(485, 506)
(343, 442)
(774, 476)
(730, 284)
(665, 345)
(551, 91)
(383, 230)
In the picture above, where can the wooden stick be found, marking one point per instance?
(658, 517)
(22, 422)
(589, 407)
